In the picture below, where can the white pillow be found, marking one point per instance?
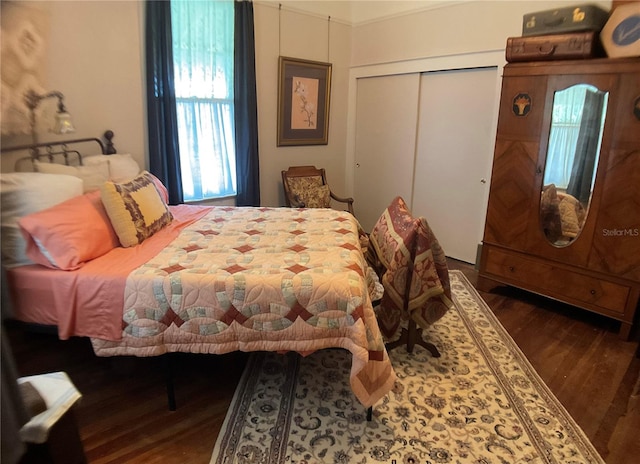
(122, 167)
(23, 193)
(92, 176)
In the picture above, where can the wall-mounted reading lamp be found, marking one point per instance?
(64, 125)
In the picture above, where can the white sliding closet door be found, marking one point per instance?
(385, 138)
(456, 135)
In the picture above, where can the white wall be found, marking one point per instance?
(295, 34)
(445, 29)
(94, 58)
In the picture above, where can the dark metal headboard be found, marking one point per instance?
(62, 148)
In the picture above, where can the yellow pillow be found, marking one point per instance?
(135, 209)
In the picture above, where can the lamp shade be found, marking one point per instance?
(64, 125)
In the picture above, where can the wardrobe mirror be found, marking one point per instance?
(575, 136)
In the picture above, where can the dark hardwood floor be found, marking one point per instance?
(124, 418)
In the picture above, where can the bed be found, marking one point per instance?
(202, 279)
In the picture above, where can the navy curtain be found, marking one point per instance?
(584, 161)
(246, 107)
(164, 152)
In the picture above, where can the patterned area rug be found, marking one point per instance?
(481, 402)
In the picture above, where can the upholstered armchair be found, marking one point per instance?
(306, 187)
(412, 268)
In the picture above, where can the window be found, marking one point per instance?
(203, 55)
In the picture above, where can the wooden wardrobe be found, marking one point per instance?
(568, 231)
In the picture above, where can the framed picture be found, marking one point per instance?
(303, 102)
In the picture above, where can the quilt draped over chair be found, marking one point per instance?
(413, 269)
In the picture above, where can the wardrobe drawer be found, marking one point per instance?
(557, 282)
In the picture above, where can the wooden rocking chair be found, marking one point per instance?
(306, 187)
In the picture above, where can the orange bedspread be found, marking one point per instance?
(88, 302)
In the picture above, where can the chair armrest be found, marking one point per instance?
(347, 200)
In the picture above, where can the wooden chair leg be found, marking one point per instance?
(412, 336)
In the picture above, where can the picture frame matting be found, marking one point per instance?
(304, 91)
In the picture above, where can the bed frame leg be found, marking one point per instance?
(168, 371)
(369, 413)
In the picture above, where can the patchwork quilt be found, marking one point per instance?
(258, 279)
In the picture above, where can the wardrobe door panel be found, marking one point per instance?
(522, 107)
(511, 197)
(616, 242)
(627, 127)
(582, 159)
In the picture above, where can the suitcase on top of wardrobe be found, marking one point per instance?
(573, 46)
(576, 18)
